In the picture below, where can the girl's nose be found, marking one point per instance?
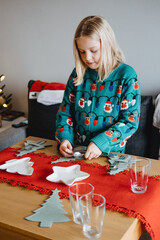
(88, 56)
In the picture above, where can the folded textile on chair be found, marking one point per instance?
(47, 93)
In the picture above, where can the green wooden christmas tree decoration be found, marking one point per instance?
(50, 212)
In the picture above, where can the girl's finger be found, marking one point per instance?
(86, 155)
(67, 150)
(90, 156)
(65, 154)
(69, 146)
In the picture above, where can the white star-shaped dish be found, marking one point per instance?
(67, 175)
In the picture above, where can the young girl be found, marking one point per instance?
(101, 104)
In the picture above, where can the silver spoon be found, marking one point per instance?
(78, 155)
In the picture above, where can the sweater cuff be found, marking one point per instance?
(64, 136)
(102, 143)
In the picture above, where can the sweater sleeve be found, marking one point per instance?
(64, 117)
(115, 138)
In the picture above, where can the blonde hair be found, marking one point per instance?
(111, 55)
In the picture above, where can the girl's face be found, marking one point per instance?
(90, 51)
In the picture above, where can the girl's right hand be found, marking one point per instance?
(66, 148)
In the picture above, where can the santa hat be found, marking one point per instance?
(47, 93)
(125, 100)
(108, 102)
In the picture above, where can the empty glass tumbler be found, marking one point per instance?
(139, 173)
(75, 192)
(92, 210)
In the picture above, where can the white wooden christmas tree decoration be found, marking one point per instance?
(50, 212)
(21, 166)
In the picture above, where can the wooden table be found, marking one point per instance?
(16, 203)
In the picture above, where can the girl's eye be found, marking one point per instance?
(81, 51)
(94, 51)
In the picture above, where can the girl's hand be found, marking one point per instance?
(92, 151)
(66, 148)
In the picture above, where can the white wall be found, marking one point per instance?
(36, 40)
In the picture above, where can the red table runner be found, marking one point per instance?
(115, 188)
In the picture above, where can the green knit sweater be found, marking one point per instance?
(104, 112)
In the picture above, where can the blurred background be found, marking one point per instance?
(36, 40)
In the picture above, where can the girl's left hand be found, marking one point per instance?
(92, 151)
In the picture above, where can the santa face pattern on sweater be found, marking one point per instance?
(104, 112)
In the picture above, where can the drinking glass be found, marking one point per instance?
(92, 210)
(75, 192)
(139, 172)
